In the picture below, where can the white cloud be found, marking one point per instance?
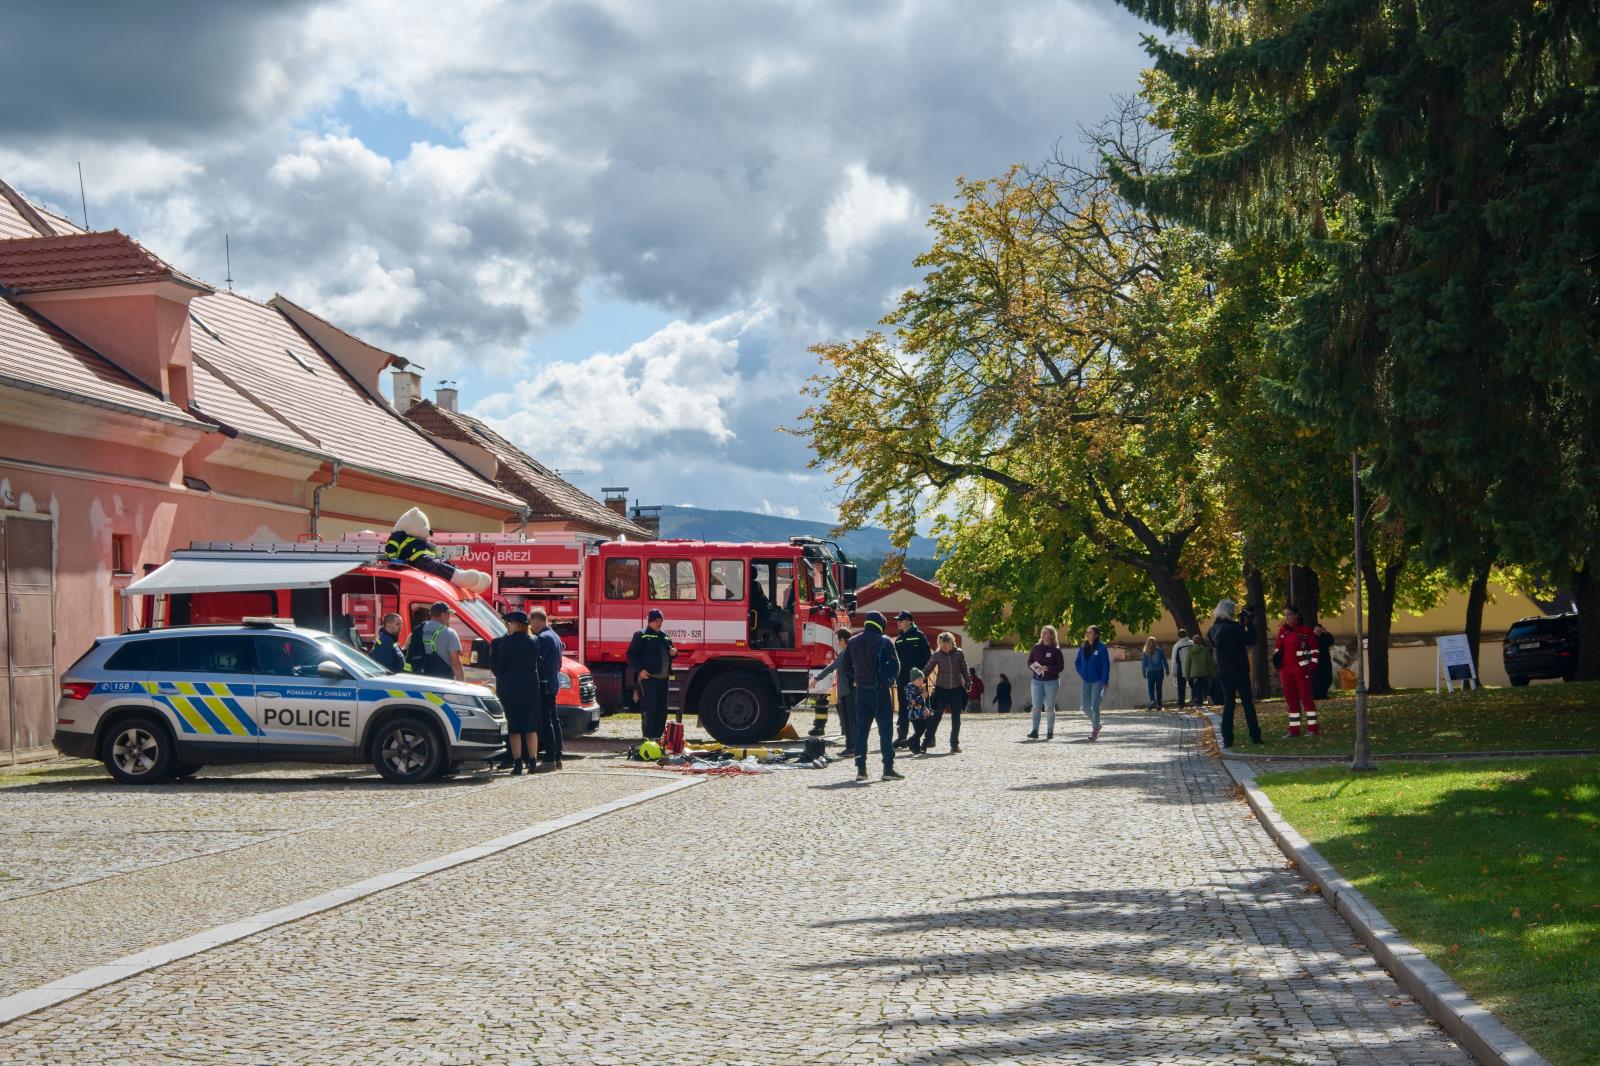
(867, 206)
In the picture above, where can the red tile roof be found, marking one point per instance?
(256, 372)
(550, 496)
(81, 260)
(37, 356)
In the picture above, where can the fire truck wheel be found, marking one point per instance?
(738, 708)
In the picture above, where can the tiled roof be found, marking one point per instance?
(21, 217)
(81, 260)
(550, 496)
(36, 355)
(256, 372)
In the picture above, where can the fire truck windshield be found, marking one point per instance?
(484, 616)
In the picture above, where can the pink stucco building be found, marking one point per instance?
(142, 409)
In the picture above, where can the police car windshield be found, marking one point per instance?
(356, 662)
(483, 616)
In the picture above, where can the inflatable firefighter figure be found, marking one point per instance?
(409, 544)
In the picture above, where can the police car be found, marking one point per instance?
(159, 704)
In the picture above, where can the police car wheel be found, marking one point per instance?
(137, 751)
(406, 751)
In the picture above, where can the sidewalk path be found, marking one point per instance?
(1023, 902)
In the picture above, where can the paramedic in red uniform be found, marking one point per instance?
(1296, 655)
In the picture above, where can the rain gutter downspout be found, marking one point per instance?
(524, 511)
(316, 496)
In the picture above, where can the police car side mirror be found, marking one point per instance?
(331, 670)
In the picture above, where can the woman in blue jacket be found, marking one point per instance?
(1094, 670)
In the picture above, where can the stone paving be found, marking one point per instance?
(1022, 902)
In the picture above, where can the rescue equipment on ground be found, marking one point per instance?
(650, 751)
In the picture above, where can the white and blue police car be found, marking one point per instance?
(159, 704)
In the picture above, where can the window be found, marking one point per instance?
(136, 656)
(209, 655)
(622, 579)
(727, 579)
(121, 553)
(673, 579)
(285, 656)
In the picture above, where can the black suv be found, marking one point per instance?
(1542, 646)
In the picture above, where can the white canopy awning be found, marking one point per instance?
(240, 575)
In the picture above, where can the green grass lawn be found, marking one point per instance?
(1539, 717)
(1492, 868)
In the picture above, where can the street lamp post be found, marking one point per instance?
(1362, 759)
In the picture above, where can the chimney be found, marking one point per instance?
(616, 499)
(647, 517)
(407, 389)
(444, 397)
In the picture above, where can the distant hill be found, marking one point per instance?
(862, 545)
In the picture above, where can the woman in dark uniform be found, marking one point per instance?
(514, 658)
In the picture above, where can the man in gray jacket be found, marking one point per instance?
(1179, 649)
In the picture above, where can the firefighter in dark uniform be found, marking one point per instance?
(912, 649)
(514, 658)
(551, 652)
(650, 658)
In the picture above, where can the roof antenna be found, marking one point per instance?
(227, 250)
(81, 197)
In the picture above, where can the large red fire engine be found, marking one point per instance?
(751, 622)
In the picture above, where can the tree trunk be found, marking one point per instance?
(1477, 596)
(1306, 593)
(1177, 599)
(1586, 594)
(1255, 598)
(1380, 590)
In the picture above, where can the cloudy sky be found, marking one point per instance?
(617, 223)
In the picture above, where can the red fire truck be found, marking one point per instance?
(751, 622)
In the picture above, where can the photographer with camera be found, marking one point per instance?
(1231, 640)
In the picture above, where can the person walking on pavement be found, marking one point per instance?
(1002, 695)
(975, 693)
(1231, 641)
(650, 658)
(1322, 683)
(842, 694)
(1180, 650)
(949, 678)
(1046, 662)
(1153, 664)
(911, 648)
(1094, 670)
(873, 670)
(435, 649)
(514, 659)
(551, 653)
(1296, 656)
(387, 652)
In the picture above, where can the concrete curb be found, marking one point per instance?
(74, 985)
(1476, 1029)
(1418, 756)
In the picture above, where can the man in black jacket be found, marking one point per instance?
(650, 657)
(912, 649)
(1230, 640)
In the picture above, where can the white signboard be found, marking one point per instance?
(1455, 663)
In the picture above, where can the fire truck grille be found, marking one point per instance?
(587, 692)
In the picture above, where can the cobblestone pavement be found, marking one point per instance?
(112, 870)
(1022, 902)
